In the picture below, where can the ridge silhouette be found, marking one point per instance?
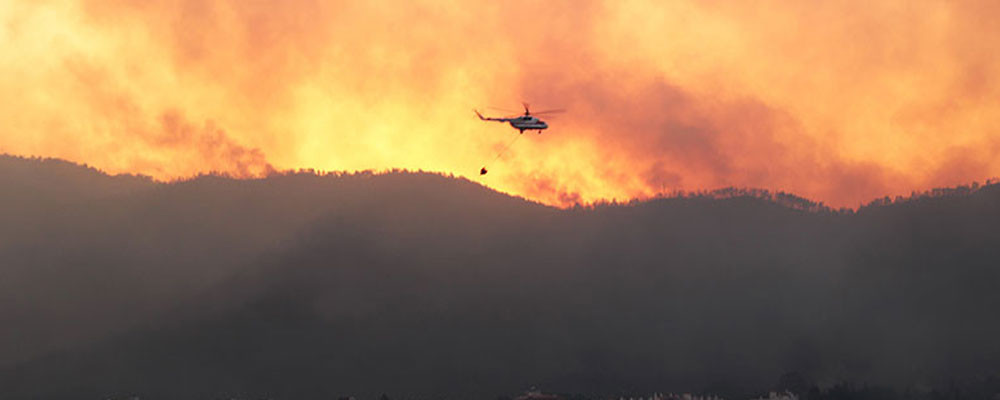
(419, 285)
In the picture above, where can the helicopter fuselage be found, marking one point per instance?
(527, 123)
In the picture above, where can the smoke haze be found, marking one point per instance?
(837, 101)
(415, 284)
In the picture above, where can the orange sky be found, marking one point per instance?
(838, 101)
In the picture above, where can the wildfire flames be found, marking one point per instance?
(839, 101)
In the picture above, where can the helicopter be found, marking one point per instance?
(522, 123)
(525, 122)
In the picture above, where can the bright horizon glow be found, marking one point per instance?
(833, 102)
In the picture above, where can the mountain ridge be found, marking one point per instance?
(300, 286)
(56, 167)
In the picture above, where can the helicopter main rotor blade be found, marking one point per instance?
(506, 110)
(556, 111)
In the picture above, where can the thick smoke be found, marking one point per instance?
(837, 102)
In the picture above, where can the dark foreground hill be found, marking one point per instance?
(419, 285)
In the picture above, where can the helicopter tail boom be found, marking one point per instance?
(488, 118)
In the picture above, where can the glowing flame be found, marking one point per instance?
(836, 101)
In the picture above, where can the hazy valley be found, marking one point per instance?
(420, 285)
